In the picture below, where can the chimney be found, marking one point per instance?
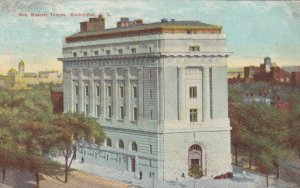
(94, 24)
(164, 20)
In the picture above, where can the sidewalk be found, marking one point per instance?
(250, 180)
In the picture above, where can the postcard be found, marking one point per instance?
(152, 94)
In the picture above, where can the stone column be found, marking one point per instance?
(114, 94)
(206, 94)
(102, 95)
(71, 92)
(140, 93)
(180, 93)
(127, 98)
(81, 92)
(92, 99)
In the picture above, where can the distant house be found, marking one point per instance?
(267, 98)
(262, 97)
(267, 72)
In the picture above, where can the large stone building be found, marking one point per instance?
(160, 92)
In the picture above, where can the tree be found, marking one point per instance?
(28, 136)
(75, 129)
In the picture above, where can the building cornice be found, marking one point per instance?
(146, 55)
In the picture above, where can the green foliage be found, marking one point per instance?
(196, 171)
(265, 131)
(75, 129)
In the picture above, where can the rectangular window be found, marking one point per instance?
(107, 52)
(150, 149)
(109, 112)
(133, 50)
(120, 51)
(84, 54)
(151, 114)
(150, 163)
(121, 91)
(76, 90)
(98, 90)
(121, 112)
(193, 115)
(193, 92)
(98, 110)
(135, 114)
(75, 54)
(150, 94)
(86, 90)
(150, 74)
(134, 92)
(87, 109)
(96, 53)
(76, 107)
(194, 48)
(109, 91)
(150, 49)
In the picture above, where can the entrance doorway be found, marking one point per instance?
(195, 156)
(133, 164)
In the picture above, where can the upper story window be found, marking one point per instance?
(107, 52)
(133, 50)
(120, 51)
(150, 149)
(122, 112)
(87, 111)
(121, 91)
(96, 53)
(86, 90)
(150, 49)
(76, 90)
(193, 92)
(135, 114)
(134, 92)
(97, 90)
(109, 91)
(189, 32)
(150, 94)
(108, 142)
(194, 48)
(193, 115)
(98, 110)
(76, 107)
(121, 144)
(150, 73)
(134, 146)
(84, 54)
(109, 111)
(74, 54)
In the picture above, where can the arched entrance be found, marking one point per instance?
(195, 156)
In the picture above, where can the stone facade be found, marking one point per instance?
(163, 93)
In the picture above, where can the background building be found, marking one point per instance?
(26, 80)
(159, 90)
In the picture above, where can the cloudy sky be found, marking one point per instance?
(254, 29)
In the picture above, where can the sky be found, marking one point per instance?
(254, 29)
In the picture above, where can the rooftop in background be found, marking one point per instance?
(128, 28)
(291, 69)
(57, 88)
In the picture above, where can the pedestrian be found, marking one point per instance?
(82, 160)
(244, 174)
(141, 175)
